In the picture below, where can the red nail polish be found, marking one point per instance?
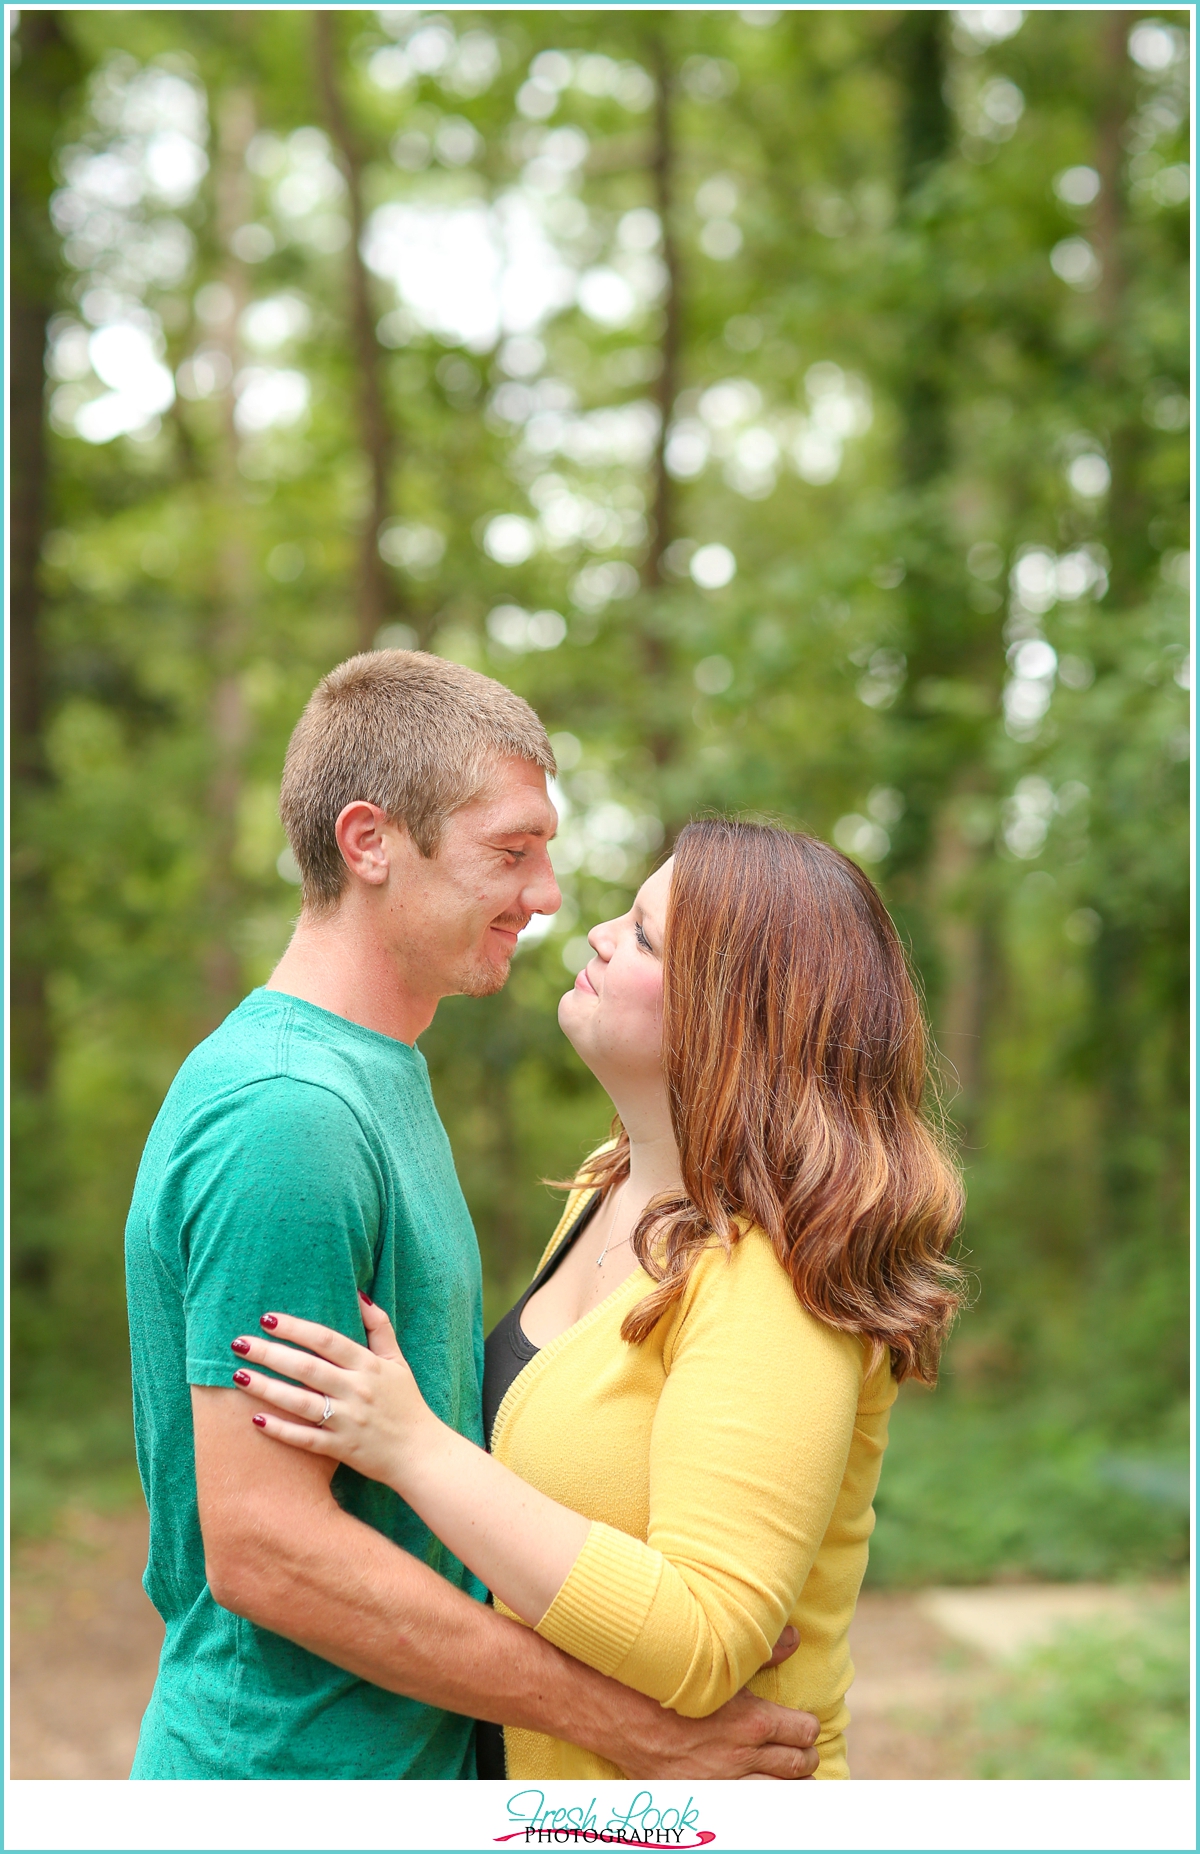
(260, 1422)
(269, 1321)
(365, 1297)
(241, 1377)
(239, 1345)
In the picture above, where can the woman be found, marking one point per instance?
(688, 1408)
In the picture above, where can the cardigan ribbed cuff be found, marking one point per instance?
(602, 1607)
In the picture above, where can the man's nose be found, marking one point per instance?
(542, 895)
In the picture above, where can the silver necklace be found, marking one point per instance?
(610, 1244)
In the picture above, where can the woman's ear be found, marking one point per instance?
(361, 838)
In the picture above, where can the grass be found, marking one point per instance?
(971, 1493)
(1107, 1701)
(80, 1457)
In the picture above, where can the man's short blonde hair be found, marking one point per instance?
(403, 730)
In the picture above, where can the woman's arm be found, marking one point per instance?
(520, 1544)
(748, 1452)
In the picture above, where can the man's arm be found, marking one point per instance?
(282, 1553)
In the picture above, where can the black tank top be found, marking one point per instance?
(507, 1349)
(506, 1352)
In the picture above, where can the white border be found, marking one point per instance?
(328, 1816)
(360, 1816)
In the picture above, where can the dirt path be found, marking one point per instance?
(85, 1643)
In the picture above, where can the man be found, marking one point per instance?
(314, 1627)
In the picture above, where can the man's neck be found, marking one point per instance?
(336, 964)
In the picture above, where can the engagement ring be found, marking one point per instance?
(326, 1413)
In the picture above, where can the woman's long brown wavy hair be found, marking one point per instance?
(796, 1060)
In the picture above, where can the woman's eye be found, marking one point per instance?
(641, 938)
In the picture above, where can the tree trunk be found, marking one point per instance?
(32, 1041)
(27, 515)
(1132, 553)
(661, 736)
(918, 54)
(663, 172)
(943, 865)
(47, 69)
(227, 637)
(963, 988)
(375, 594)
(1119, 954)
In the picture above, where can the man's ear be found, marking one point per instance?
(362, 838)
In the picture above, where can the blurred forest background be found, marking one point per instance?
(794, 407)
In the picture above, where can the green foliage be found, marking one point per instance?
(70, 1448)
(972, 1492)
(952, 484)
(1100, 1703)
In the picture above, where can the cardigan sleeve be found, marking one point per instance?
(749, 1447)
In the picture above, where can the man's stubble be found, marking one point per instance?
(482, 977)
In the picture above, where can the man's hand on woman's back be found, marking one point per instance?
(747, 1737)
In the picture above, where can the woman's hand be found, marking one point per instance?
(519, 1542)
(378, 1420)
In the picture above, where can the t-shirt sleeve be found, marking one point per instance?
(748, 1450)
(275, 1201)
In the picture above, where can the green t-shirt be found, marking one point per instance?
(296, 1159)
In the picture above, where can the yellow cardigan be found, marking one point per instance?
(728, 1465)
